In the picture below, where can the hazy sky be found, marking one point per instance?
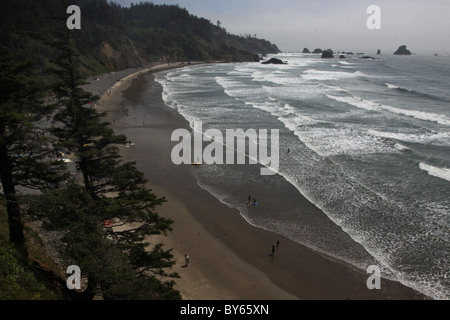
(422, 25)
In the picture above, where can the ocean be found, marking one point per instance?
(365, 141)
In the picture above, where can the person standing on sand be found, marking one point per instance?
(187, 259)
(273, 249)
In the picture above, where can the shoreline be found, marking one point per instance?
(230, 259)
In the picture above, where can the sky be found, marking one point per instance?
(341, 25)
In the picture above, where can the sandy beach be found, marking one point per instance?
(230, 259)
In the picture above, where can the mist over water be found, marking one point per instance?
(366, 141)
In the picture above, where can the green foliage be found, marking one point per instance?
(24, 146)
(17, 278)
(138, 35)
(118, 264)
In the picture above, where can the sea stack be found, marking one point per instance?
(306, 50)
(317, 51)
(402, 51)
(274, 61)
(327, 54)
(378, 51)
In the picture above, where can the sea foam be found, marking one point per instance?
(374, 106)
(313, 74)
(443, 173)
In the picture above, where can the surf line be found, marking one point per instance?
(234, 147)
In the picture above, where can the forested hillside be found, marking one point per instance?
(114, 37)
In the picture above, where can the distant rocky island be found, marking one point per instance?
(403, 51)
(328, 53)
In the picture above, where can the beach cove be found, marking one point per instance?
(230, 259)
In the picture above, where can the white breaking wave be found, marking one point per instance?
(277, 77)
(333, 88)
(401, 147)
(443, 173)
(313, 74)
(374, 106)
(393, 86)
(441, 138)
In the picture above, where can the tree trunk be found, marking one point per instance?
(12, 206)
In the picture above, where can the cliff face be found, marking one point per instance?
(127, 56)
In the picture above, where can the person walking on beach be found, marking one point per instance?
(273, 249)
(249, 199)
(187, 259)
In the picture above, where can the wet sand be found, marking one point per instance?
(230, 259)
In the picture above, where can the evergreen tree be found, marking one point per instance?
(24, 145)
(119, 265)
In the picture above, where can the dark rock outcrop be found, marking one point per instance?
(402, 51)
(378, 51)
(317, 51)
(257, 58)
(327, 54)
(367, 58)
(305, 50)
(342, 56)
(274, 61)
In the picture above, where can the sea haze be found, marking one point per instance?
(366, 141)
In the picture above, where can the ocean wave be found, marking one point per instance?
(244, 69)
(313, 74)
(277, 77)
(443, 173)
(333, 88)
(374, 106)
(393, 86)
(416, 93)
(300, 92)
(437, 138)
(401, 147)
(239, 91)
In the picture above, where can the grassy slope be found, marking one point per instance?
(18, 278)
